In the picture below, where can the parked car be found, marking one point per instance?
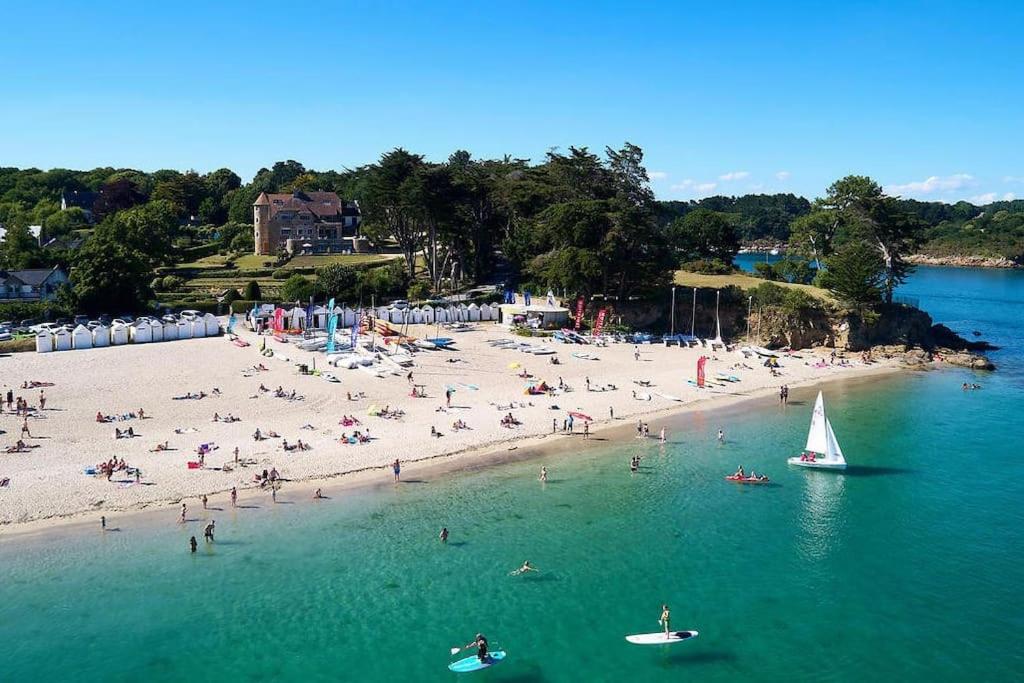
(104, 318)
(81, 319)
(93, 324)
(63, 321)
(400, 303)
(191, 315)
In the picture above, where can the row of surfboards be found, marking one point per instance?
(474, 663)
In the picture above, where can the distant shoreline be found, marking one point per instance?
(956, 261)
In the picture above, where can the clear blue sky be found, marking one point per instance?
(926, 97)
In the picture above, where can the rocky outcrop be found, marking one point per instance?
(964, 261)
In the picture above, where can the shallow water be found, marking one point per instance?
(907, 566)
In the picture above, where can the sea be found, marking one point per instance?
(908, 566)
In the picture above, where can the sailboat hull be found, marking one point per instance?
(817, 464)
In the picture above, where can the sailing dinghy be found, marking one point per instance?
(822, 450)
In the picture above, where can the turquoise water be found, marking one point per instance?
(906, 567)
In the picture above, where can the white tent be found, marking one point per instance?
(170, 330)
(81, 337)
(198, 326)
(428, 314)
(101, 336)
(44, 341)
(61, 340)
(473, 313)
(212, 325)
(118, 334)
(140, 332)
(320, 317)
(156, 331)
(184, 329)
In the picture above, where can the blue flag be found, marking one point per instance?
(332, 326)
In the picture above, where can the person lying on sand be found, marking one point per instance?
(160, 447)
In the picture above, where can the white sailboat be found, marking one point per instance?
(822, 450)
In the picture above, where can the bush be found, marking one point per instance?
(281, 274)
(231, 295)
(35, 310)
(708, 267)
(296, 288)
(172, 283)
(18, 345)
(252, 291)
(241, 306)
(417, 291)
(769, 294)
(766, 271)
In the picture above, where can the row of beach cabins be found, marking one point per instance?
(294, 319)
(139, 332)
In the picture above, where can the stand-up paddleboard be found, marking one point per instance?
(470, 664)
(660, 638)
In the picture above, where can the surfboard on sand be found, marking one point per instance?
(473, 663)
(660, 639)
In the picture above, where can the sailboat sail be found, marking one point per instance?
(833, 451)
(817, 436)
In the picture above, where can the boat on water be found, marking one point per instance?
(822, 450)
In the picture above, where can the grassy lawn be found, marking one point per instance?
(209, 263)
(741, 280)
(317, 260)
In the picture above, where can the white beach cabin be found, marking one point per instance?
(170, 330)
(140, 332)
(184, 328)
(212, 325)
(101, 336)
(198, 326)
(44, 341)
(156, 331)
(81, 337)
(61, 340)
(118, 334)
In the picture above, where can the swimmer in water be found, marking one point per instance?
(721, 436)
(543, 473)
(527, 567)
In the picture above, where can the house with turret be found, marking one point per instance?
(304, 222)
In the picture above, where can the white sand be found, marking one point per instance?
(48, 482)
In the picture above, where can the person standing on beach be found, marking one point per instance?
(273, 492)
(42, 400)
(396, 467)
(103, 523)
(234, 497)
(448, 397)
(586, 430)
(636, 353)
(785, 394)
(24, 428)
(205, 501)
(611, 412)
(193, 544)
(554, 425)
(444, 534)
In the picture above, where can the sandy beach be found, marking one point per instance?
(48, 484)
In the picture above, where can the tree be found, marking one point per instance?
(864, 213)
(109, 275)
(62, 223)
(391, 209)
(337, 280)
(811, 235)
(704, 234)
(296, 288)
(147, 230)
(252, 291)
(855, 274)
(20, 249)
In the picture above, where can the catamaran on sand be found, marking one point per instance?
(822, 450)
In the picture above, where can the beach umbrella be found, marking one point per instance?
(581, 416)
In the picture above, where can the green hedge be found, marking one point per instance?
(203, 306)
(17, 311)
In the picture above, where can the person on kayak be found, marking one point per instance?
(665, 618)
(480, 643)
(739, 472)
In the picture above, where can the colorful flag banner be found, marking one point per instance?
(579, 312)
(599, 324)
(332, 326)
(700, 370)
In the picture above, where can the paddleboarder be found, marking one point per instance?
(664, 619)
(480, 643)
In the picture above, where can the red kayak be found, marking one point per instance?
(736, 479)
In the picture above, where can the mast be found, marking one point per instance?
(693, 314)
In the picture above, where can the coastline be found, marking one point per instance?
(963, 261)
(483, 456)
